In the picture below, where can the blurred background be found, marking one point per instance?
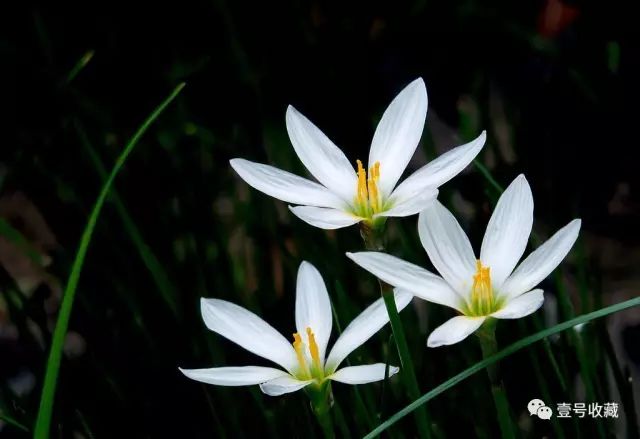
(553, 82)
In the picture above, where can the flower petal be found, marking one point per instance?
(247, 330)
(362, 329)
(410, 206)
(368, 373)
(542, 261)
(320, 156)
(325, 218)
(508, 231)
(284, 185)
(313, 308)
(448, 247)
(408, 276)
(521, 306)
(454, 330)
(441, 169)
(398, 133)
(234, 376)
(282, 385)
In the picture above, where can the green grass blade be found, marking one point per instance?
(18, 239)
(10, 421)
(43, 421)
(487, 175)
(523, 343)
(79, 65)
(165, 287)
(625, 387)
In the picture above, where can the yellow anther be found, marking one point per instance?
(298, 345)
(367, 199)
(373, 194)
(313, 348)
(482, 292)
(372, 186)
(362, 183)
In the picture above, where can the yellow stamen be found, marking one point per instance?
(298, 345)
(367, 197)
(372, 185)
(482, 292)
(313, 348)
(362, 183)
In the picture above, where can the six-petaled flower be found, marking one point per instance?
(478, 288)
(345, 196)
(304, 362)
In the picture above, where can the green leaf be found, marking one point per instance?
(523, 343)
(18, 239)
(10, 421)
(43, 421)
(164, 285)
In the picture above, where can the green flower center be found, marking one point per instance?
(368, 200)
(483, 300)
(308, 370)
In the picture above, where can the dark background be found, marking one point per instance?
(554, 84)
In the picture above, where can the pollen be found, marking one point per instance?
(367, 199)
(482, 298)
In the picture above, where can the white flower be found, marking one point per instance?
(477, 288)
(303, 362)
(345, 196)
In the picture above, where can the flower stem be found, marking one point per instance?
(489, 346)
(372, 237)
(321, 406)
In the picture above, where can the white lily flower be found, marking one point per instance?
(477, 288)
(303, 362)
(345, 196)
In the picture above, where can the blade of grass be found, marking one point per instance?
(10, 421)
(361, 409)
(544, 391)
(163, 284)
(487, 175)
(16, 238)
(84, 424)
(43, 421)
(538, 325)
(577, 343)
(341, 421)
(78, 66)
(625, 387)
(509, 350)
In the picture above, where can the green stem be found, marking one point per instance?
(321, 406)
(373, 241)
(487, 337)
